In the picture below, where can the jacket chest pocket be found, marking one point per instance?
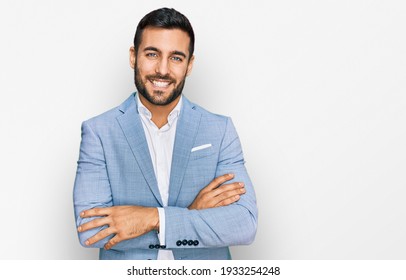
(200, 153)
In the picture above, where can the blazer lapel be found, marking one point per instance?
(186, 131)
(131, 125)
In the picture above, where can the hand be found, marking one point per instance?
(125, 222)
(215, 194)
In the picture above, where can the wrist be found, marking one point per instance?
(155, 219)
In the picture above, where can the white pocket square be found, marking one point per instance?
(201, 147)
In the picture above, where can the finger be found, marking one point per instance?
(99, 236)
(112, 242)
(228, 201)
(227, 187)
(218, 181)
(96, 212)
(94, 224)
(229, 194)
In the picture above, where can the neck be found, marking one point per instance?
(159, 113)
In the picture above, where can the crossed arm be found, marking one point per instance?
(131, 221)
(223, 213)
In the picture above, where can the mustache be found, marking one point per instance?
(161, 77)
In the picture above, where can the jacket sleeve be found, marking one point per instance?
(92, 190)
(234, 224)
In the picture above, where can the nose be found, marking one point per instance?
(162, 67)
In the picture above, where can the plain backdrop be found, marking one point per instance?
(316, 89)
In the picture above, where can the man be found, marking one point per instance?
(159, 177)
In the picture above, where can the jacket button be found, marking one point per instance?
(151, 246)
(196, 242)
(184, 242)
(178, 243)
(190, 242)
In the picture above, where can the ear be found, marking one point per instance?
(190, 65)
(133, 57)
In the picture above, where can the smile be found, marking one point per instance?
(160, 84)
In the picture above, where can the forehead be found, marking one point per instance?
(165, 40)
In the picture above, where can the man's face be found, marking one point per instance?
(161, 64)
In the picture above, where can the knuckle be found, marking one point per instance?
(88, 226)
(109, 220)
(231, 192)
(218, 180)
(232, 187)
(107, 231)
(227, 202)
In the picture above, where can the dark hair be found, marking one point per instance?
(165, 18)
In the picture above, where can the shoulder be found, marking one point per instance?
(206, 114)
(211, 123)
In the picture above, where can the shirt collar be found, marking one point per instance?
(173, 115)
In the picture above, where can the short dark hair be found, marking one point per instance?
(168, 19)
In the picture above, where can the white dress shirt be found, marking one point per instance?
(160, 145)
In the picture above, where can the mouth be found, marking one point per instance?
(160, 83)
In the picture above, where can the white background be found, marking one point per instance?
(316, 89)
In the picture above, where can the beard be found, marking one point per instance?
(157, 97)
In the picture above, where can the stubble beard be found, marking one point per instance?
(157, 97)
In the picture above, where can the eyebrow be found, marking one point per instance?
(179, 53)
(173, 52)
(151, 49)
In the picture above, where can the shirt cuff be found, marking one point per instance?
(161, 234)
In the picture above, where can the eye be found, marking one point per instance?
(152, 55)
(177, 58)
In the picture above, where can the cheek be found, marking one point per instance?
(146, 67)
(179, 73)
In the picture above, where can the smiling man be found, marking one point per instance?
(159, 177)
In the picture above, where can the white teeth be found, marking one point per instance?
(160, 84)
